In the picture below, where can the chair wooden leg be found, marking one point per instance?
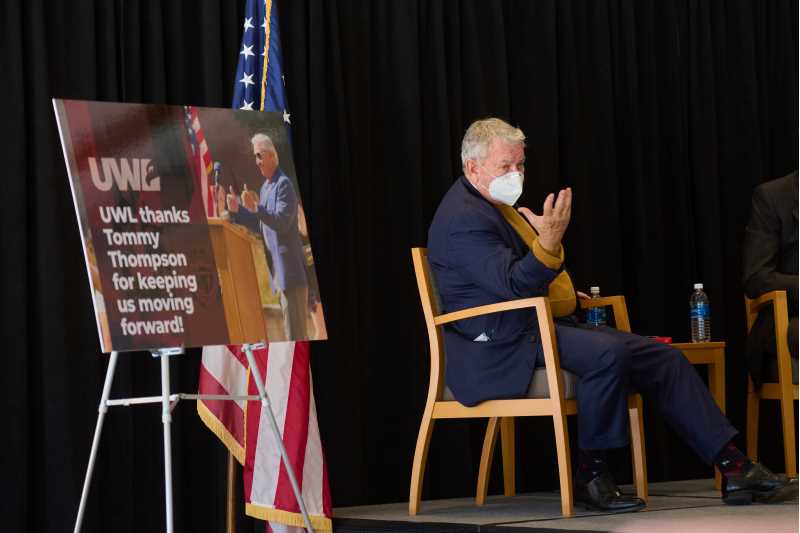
(637, 446)
(507, 441)
(564, 466)
(787, 392)
(787, 415)
(716, 384)
(753, 404)
(486, 460)
(420, 458)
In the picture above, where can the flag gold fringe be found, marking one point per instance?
(319, 523)
(222, 433)
(267, 24)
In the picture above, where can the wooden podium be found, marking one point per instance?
(244, 279)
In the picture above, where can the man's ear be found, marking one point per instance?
(470, 167)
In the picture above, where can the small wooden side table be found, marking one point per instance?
(713, 355)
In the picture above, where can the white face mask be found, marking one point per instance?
(506, 188)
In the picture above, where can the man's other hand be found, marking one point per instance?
(249, 200)
(219, 200)
(553, 221)
(233, 201)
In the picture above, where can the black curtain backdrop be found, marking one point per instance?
(662, 116)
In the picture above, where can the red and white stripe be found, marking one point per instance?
(224, 370)
(207, 164)
(268, 491)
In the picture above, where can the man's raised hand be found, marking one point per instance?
(553, 221)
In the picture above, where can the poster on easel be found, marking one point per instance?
(193, 229)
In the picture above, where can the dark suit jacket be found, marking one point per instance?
(770, 261)
(276, 220)
(477, 258)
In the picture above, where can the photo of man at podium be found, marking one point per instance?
(273, 215)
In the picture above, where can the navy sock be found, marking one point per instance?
(591, 463)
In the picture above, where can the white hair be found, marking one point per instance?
(263, 140)
(480, 134)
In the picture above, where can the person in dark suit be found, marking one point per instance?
(481, 251)
(275, 217)
(770, 264)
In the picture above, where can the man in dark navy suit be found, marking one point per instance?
(275, 217)
(482, 251)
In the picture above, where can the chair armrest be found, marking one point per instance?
(470, 312)
(618, 306)
(774, 297)
(780, 311)
(600, 302)
(546, 330)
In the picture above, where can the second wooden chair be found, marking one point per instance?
(782, 388)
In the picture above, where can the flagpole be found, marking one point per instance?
(230, 507)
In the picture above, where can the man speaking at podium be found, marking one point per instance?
(275, 215)
(483, 251)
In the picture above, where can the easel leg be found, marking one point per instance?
(166, 419)
(248, 349)
(101, 413)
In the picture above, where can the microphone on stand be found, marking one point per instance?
(217, 168)
(218, 208)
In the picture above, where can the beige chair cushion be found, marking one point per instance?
(538, 386)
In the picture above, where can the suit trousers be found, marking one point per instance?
(611, 364)
(294, 304)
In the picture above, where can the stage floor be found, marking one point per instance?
(682, 506)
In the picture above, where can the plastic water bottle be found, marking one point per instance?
(596, 316)
(700, 315)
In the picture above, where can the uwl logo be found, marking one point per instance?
(133, 174)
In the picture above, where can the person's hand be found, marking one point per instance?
(233, 201)
(219, 200)
(553, 221)
(249, 200)
(583, 295)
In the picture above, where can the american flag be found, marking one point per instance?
(242, 426)
(202, 154)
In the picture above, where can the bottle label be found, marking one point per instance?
(596, 316)
(699, 311)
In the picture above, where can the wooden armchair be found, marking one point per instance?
(551, 402)
(784, 390)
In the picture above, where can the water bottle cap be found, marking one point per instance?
(594, 289)
(698, 285)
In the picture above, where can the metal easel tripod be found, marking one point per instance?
(168, 402)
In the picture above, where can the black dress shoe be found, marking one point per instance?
(757, 484)
(602, 494)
